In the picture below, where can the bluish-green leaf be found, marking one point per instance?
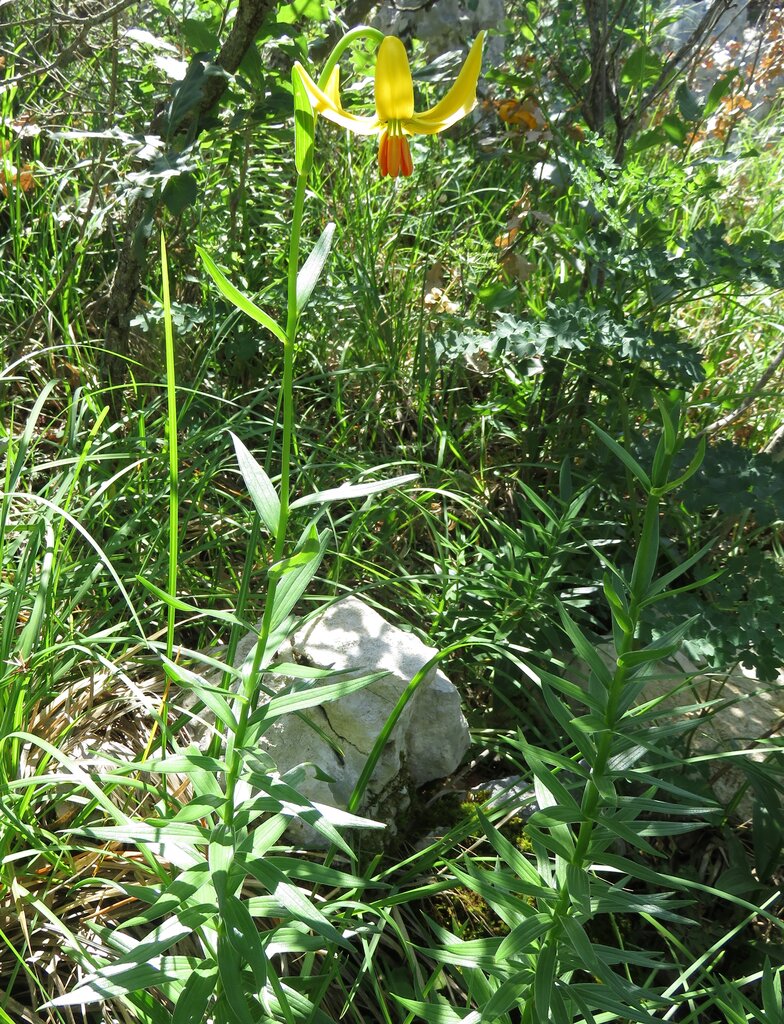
(543, 982)
(292, 584)
(118, 980)
(438, 1013)
(314, 696)
(522, 937)
(186, 885)
(691, 469)
(242, 933)
(32, 630)
(294, 900)
(510, 993)
(599, 998)
(579, 889)
(585, 648)
(348, 491)
(232, 984)
(660, 649)
(184, 606)
(307, 278)
(220, 855)
(207, 694)
(509, 853)
(260, 487)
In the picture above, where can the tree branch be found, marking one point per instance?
(132, 258)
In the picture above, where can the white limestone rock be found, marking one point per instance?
(428, 742)
(732, 711)
(445, 25)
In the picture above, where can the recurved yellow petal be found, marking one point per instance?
(332, 88)
(459, 101)
(327, 103)
(394, 87)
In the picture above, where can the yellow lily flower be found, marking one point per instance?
(395, 116)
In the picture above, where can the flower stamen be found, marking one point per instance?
(394, 154)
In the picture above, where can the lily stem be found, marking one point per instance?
(250, 688)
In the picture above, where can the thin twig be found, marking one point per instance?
(66, 54)
(677, 61)
(749, 400)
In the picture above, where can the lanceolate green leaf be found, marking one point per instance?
(262, 493)
(232, 982)
(189, 883)
(629, 461)
(661, 648)
(501, 890)
(184, 606)
(236, 297)
(585, 648)
(690, 470)
(293, 899)
(315, 696)
(319, 874)
(292, 584)
(140, 832)
(509, 853)
(597, 997)
(471, 953)
(242, 933)
(664, 581)
(307, 278)
(438, 1013)
(119, 979)
(523, 938)
(348, 491)
(304, 127)
(579, 889)
(186, 762)
(33, 628)
(544, 980)
(303, 1009)
(191, 1007)
(209, 695)
(27, 436)
(509, 994)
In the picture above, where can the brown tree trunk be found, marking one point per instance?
(132, 257)
(595, 105)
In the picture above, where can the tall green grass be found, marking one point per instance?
(616, 887)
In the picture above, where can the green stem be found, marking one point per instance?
(174, 505)
(642, 573)
(362, 31)
(237, 740)
(292, 323)
(171, 431)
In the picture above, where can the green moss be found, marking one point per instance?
(466, 914)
